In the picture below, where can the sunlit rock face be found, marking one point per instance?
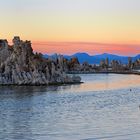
(20, 66)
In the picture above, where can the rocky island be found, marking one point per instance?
(19, 65)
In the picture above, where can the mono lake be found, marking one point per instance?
(104, 107)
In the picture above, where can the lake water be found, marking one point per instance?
(104, 107)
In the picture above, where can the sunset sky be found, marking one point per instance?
(69, 26)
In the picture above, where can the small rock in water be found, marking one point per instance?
(76, 78)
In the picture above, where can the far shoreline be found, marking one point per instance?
(105, 72)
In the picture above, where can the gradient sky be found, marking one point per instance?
(69, 26)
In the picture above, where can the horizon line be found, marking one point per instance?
(90, 54)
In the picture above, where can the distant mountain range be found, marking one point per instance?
(95, 59)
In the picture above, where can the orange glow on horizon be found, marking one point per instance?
(87, 47)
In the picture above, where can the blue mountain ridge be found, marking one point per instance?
(95, 59)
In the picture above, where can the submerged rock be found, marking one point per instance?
(20, 66)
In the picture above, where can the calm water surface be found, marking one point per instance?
(105, 107)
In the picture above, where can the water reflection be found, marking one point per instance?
(103, 105)
(108, 82)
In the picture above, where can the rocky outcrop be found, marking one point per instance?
(20, 66)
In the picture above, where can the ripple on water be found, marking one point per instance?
(73, 111)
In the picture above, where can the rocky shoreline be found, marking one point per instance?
(19, 65)
(105, 67)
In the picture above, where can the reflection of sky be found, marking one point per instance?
(72, 111)
(107, 82)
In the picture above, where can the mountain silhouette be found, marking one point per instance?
(95, 59)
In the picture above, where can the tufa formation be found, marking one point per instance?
(19, 65)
